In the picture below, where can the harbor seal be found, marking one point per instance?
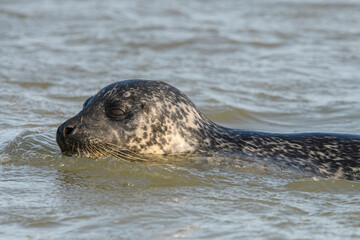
(134, 117)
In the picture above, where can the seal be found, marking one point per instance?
(133, 118)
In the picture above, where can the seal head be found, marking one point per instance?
(134, 115)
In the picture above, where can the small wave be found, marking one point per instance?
(31, 84)
(13, 14)
(31, 147)
(316, 184)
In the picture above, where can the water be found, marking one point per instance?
(283, 66)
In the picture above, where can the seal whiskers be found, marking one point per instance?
(106, 149)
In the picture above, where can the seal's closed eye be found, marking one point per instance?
(116, 113)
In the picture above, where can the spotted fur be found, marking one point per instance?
(159, 119)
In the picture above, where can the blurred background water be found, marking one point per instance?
(281, 66)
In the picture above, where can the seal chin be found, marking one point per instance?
(89, 150)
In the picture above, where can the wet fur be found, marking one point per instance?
(161, 120)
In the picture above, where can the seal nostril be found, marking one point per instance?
(69, 130)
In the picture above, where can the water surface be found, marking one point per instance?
(281, 66)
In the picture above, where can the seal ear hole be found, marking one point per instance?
(88, 101)
(144, 107)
